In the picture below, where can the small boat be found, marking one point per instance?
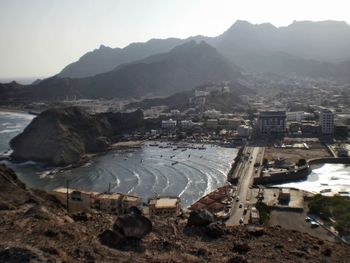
(141, 160)
(175, 149)
(202, 148)
(201, 156)
(176, 162)
(189, 155)
(172, 156)
(154, 144)
(184, 150)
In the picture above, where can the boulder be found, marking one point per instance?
(112, 239)
(215, 230)
(241, 247)
(201, 217)
(133, 226)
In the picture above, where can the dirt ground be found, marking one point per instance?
(316, 150)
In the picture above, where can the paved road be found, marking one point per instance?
(246, 172)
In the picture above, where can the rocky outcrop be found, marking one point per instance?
(62, 136)
(201, 217)
(133, 226)
(37, 229)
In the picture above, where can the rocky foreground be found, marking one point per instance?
(34, 227)
(62, 136)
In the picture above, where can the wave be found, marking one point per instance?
(10, 130)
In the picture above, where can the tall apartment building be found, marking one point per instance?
(327, 122)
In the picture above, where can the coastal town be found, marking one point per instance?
(276, 145)
(174, 131)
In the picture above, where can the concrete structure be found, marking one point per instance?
(168, 124)
(77, 200)
(164, 206)
(244, 130)
(212, 123)
(272, 122)
(201, 93)
(229, 124)
(295, 116)
(212, 114)
(254, 216)
(327, 122)
(284, 196)
(186, 124)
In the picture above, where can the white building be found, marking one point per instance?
(327, 121)
(212, 114)
(168, 124)
(244, 130)
(295, 116)
(201, 93)
(186, 124)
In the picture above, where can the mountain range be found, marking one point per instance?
(182, 68)
(165, 67)
(318, 47)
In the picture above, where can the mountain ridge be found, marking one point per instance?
(303, 39)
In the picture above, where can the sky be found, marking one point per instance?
(40, 37)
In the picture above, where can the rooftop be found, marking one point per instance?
(164, 202)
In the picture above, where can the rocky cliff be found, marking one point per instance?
(62, 136)
(34, 227)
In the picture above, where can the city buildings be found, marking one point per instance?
(168, 124)
(78, 200)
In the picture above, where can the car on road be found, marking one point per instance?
(237, 199)
(240, 205)
(314, 224)
(245, 210)
(308, 219)
(241, 220)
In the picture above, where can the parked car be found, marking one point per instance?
(237, 199)
(241, 220)
(308, 219)
(240, 205)
(314, 224)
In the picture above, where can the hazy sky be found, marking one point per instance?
(40, 37)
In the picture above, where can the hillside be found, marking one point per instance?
(224, 102)
(105, 59)
(36, 228)
(181, 69)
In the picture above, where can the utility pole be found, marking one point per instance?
(67, 197)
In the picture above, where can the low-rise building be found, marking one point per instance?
(117, 203)
(212, 123)
(164, 206)
(230, 124)
(254, 216)
(168, 124)
(244, 130)
(284, 196)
